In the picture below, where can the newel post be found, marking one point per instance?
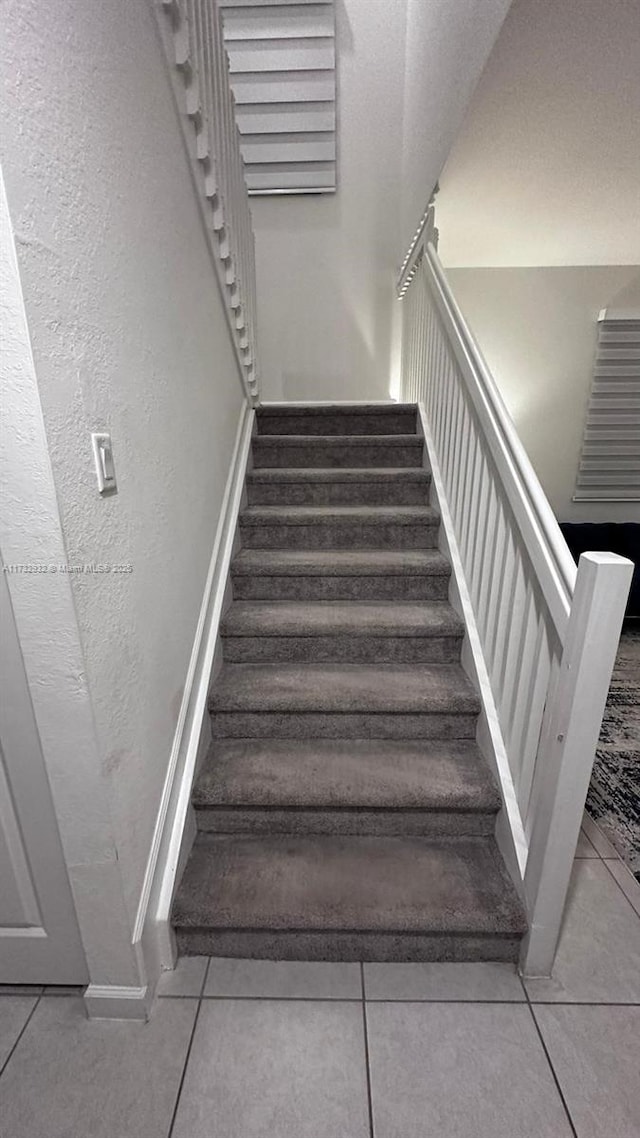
(569, 736)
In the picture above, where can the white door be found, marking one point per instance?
(39, 937)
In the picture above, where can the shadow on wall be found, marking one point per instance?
(327, 263)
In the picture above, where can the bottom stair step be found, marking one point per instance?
(354, 898)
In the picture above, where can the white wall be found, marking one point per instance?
(546, 169)
(128, 335)
(448, 43)
(327, 263)
(537, 330)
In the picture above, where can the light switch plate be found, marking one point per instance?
(103, 458)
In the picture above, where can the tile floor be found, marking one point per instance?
(255, 1049)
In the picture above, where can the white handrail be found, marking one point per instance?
(191, 32)
(543, 635)
(425, 233)
(522, 482)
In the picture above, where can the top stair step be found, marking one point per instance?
(338, 419)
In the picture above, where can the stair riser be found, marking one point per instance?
(331, 946)
(322, 423)
(335, 453)
(361, 822)
(340, 588)
(338, 493)
(329, 725)
(340, 534)
(341, 649)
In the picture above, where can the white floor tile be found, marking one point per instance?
(186, 979)
(275, 1069)
(598, 838)
(627, 883)
(70, 1077)
(442, 982)
(460, 1071)
(585, 847)
(14, 1013)
(598, 959)
(284, 979)
(594, 1051)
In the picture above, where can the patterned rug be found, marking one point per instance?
(614, 795)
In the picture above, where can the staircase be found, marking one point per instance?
(344, 811)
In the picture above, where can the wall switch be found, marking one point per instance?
(103, 458)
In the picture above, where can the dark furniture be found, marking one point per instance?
(611, 537)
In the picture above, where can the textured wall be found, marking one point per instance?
(128, 335)
(546, 169)
(51, 647)
(537, 330)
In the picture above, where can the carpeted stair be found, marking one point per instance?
(344, 811)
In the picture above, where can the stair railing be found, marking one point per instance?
(545, 634)
(191, 32)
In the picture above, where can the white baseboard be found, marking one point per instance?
(510, 833)
(107, 1001)
(174, 831)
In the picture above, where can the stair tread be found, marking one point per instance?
(340, 562)
(346, 774)
(344, 440)
(344, 688)
(292, 410)
(287, 474)
(342, 618)
(405, 885)
(304, 515)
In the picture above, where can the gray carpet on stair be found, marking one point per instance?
(345, 786)
(347, 420)
(451, 896)
(340, 487)
(327, 450)
(340, 574)
(344, 811)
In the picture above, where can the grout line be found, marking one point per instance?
(551, 1066)
(279, 999)
(184, 1068)
(410, 1000)
(605, 861)
(366, 1051)
(26, 991)
(24, 1028)
(205, 978)
(614, 856)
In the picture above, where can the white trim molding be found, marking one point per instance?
(109, 1001)
(192, 40)
(174, 831)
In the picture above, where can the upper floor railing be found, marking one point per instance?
(191, 32)
(544, 635)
